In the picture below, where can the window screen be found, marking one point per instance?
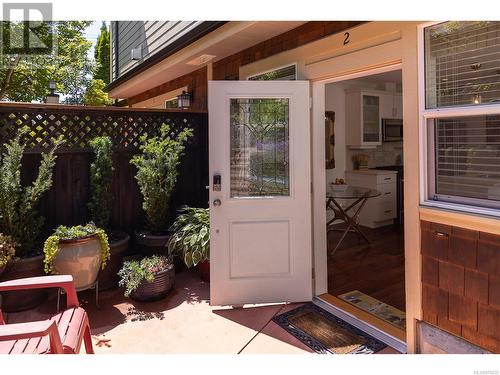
(288, 73)
(467, 158)
(462, 64)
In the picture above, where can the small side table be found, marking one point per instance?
(360, 196)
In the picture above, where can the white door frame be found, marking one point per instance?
(319, 172)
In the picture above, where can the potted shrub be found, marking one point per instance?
(148, 279)
(20, 220)
(191, 239)
(101, 206)
(79, 251)
(7, 251)
(156, 176)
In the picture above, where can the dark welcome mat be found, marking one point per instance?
(325, 333)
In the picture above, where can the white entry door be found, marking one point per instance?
(260, 192)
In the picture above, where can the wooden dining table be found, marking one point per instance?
(348, 214)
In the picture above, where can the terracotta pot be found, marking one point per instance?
(204, 270)
(151, 244)
(25, 299)
(80, 258)
(108, 277)
(157, 289)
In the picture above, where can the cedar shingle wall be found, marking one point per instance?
(228, 68)
(461, 282)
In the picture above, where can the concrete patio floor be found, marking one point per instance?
(183, 322)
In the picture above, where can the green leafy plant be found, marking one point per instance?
(191, 237)
(101, 177)
(51, 246)
(19, 218)
(7, 249)
(134, 272)
(157, 173)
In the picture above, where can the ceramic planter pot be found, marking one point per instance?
(80, 258)
(204, 270)
(157, 289)
(108, 277)
(151, 244)
(23, 299)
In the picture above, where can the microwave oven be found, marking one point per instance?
(392, 130)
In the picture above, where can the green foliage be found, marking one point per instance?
(157, 173)
(191, 237)
(7, 249)
(101, 55)
(26, 79)
(18, 215)
(101, 177)
(95, 94)
(133, 273)
(51, 246)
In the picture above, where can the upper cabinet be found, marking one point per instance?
(363, 119)
(391, 105)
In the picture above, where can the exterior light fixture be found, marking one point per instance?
(52, 97)
(184, 100)
(476, 99)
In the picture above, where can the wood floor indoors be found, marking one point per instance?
(376, 269)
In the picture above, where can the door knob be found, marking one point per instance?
(217, 202)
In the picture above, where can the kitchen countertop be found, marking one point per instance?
(372, 171)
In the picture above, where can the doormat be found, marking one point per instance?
(375, 307)
(325, 333)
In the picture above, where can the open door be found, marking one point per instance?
(260, 192)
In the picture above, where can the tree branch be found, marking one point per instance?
(8, 77)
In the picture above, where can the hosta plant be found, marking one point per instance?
(157, 173)
(191, 235)
(7, 249)
(19, 218)
(51, 246)
(134, 272)
(101, 177)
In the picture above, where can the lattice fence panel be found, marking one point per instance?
(79, 125)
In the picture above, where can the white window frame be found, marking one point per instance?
(247, 78)
(428, 115)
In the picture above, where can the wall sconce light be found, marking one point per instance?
(184, 100)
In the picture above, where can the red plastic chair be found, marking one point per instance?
(61, 334)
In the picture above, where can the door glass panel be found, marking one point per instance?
(259, 147)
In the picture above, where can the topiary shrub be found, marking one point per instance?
(157, 173)
(101, 177)
(19, 218)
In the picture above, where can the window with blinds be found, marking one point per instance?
(467, 159)
(287, 73)
(462, 64)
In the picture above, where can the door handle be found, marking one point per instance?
(217, 202)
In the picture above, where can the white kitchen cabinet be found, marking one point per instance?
(382, 210)
(363, 129)
(391, 106)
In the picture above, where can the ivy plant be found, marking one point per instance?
(134, 272)
(101, 177)
(51, 246)
(19, 218)
(157, 173)
(191, 235)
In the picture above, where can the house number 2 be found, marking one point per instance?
(346, 39)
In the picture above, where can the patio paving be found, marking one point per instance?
(183, 322)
